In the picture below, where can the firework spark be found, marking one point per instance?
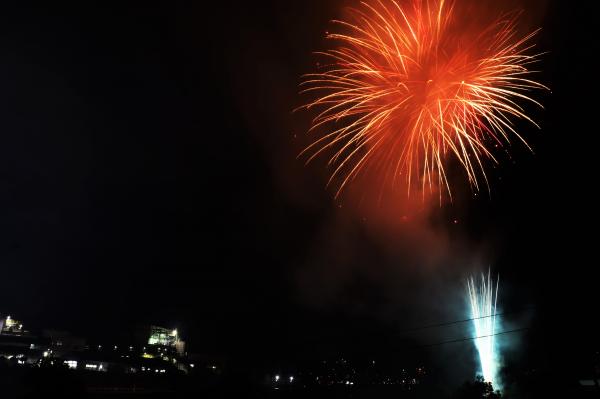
(483, 300)
(408, 88)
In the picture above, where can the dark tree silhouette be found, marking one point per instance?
(478, 389)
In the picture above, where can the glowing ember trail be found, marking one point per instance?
(408, 88)
(483, 300)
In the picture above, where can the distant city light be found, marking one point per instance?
(72, 364)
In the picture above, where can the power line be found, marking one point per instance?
(473, 338)
(449, 323)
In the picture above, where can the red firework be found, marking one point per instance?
(408, 88)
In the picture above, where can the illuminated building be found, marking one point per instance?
(153, 349)
(165, 341)
(11, 326)
(18, 343)
(162, 336)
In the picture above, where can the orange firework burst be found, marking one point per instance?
(406, 89)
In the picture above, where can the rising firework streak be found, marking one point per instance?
(483, 299)
(410, 85)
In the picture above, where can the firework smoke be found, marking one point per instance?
(483, 298)
(408, 88)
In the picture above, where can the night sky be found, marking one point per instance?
(148, 174)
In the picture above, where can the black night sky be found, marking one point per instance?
(148, 174)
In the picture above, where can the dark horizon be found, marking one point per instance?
(149, 176)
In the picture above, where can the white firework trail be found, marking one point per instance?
(483, 299)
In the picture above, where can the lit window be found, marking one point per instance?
(72, 364)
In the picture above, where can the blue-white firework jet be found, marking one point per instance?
(483, 298)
